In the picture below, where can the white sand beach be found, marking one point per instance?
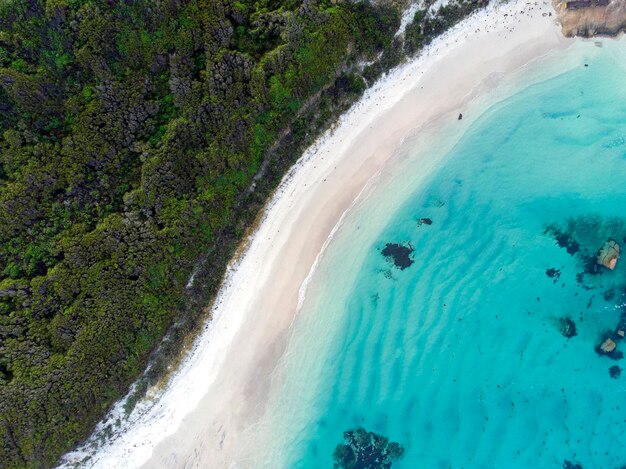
(221, 386)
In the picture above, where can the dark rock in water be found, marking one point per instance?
(566, 241)
(591, 265)
(615, 371)
(399, 254)
(424, 221)
(567, 327)
(580, 277)
(366, 450)
(553, 273)
(571, 465)
(609, 294)
(460, 116)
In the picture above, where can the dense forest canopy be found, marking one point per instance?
(131, 132)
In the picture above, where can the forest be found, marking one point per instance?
(139, 141)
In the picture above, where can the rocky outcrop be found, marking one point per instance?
(608, 345)
(591, 17)
(608, 255)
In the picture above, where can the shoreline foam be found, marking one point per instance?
(215, 393)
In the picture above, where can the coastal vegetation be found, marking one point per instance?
(140, 139)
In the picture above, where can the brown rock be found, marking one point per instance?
(609, 254)
(591, 17)
(608, 345)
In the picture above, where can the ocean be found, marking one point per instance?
(459, 314)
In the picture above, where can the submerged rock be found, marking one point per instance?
(366, 450)
(424, 221)
(553, 273)
(608, 255)
(615, 371)
(591, 266)
(399, 254)
(567, 327)
(571, 465)
(564, 240)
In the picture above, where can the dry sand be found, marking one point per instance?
(223, 383)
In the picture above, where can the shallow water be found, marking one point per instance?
(459, 357)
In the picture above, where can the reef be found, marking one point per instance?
(592, 240)
(615, 371)
(424, 221)
(564, 240)
(399, 254)
(567, 327)
(366, 450)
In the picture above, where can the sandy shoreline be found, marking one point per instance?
(221, 387)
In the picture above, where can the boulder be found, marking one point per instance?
(608, 255)
(608, 345)
(615, 371)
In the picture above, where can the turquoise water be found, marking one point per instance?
(459, 357)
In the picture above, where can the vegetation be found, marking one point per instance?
(425, 27)
(139, 141)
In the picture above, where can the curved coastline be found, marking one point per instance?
(221, 385)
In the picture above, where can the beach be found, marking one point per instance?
(221, 387)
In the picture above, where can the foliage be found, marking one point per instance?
(428, 25)
(131, 131)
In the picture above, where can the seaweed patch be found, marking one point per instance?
(553, 273)
(564, 240)
(399, 254)
(366, 450)
(567, 327)
(571, 465)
